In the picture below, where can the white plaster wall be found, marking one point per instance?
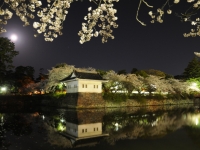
(72, 86)
(89, 86)
(89, 129)
(72, 129)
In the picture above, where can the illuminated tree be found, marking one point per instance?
(177, 86)
(60, 72)
(152, 83)
(100, 20)
(137, 83)
(56, 74)
(115, 82)
(126, 83)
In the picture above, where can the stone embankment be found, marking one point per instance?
(87, 100)
(95, 100)
(149, 102)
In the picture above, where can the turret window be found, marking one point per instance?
(84, 85)
(95, 86)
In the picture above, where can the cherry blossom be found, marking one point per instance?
(47, 17)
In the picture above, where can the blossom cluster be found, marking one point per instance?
(22, 8)
(186, 17)
(195, 21)
(158, 16)
(52, 18)
(5, 15)
(103, 17)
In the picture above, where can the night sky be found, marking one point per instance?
(156, 46)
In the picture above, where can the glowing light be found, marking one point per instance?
(193, 119)
(13, 37)
(61, 127)
(196, 121)
(62, 120)
(194, 86)
(116, 126)
(3, 89)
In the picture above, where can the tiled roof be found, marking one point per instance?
(84, 75)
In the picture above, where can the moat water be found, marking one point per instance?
(127, 128)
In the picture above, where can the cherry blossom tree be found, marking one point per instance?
(123, 83)
(177, 86)
(114, 83)
(100, 20)
(136, 81)
(152, 83)
(156, 83)
(57, 73)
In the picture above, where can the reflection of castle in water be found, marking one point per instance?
(84, 127)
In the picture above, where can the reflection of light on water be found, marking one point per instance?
(116, 126)
(192, 119)
(197, 121)
(155, 122)
(184, 117)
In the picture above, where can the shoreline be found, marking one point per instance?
(40, 100)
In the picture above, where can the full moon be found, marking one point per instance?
(13, 37)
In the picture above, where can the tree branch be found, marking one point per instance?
(142, 23)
